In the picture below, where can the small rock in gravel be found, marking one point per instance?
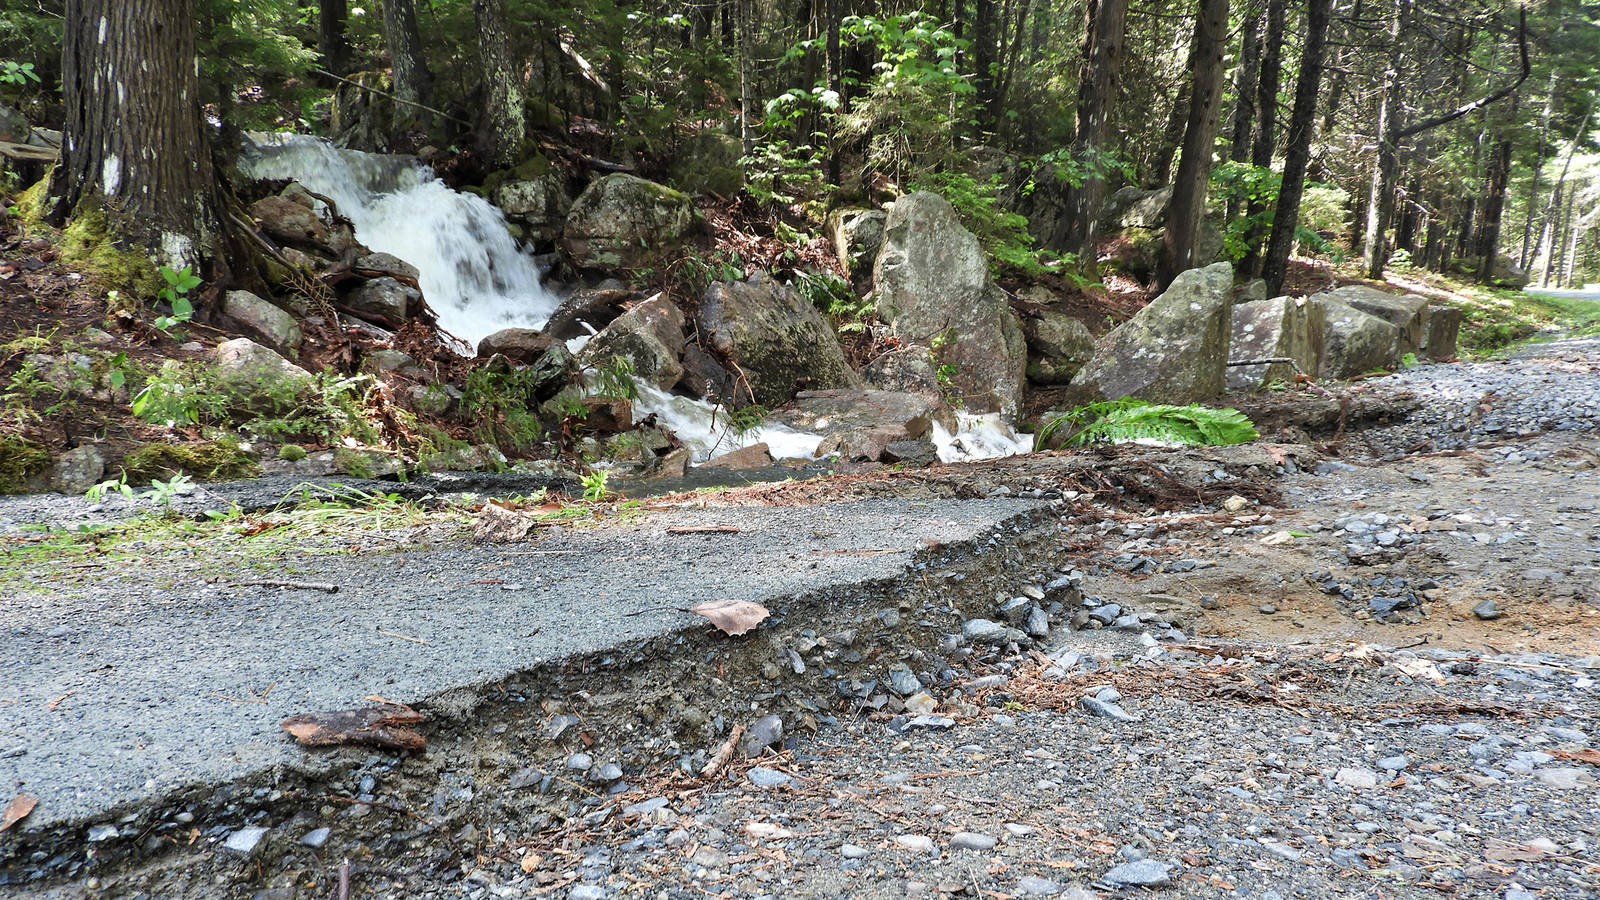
(581, 762)
(1104, 710)
(246, 839)
(920, 843)
(316, 837)
(903, 682)
(1561, 778)
(1144, 872)
(98, 833)
(920, 704)
(761, 776)
(938, 723)
(764, 732)
(1017, 829)
(608, 773)
(971, 840)
(1394, 763)
(645, 807)
(710, 857)
(587, 892)
(1038, 887)
(1360, 779)
(1107, 614)
(851, 851)
(1267, 609)
(1487, 611)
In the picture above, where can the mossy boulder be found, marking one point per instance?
(708, 163)
(23, 464)
(205, 461)
(621, 221)
(775, 338)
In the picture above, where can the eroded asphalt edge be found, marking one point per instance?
(999, 535)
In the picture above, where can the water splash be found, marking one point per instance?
(704, 429)
(984, 436)
(470, 268)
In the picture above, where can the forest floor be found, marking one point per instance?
(1354, 665)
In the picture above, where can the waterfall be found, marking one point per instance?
(470, 268)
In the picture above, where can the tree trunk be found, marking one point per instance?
(1244, 90)
(1405, 230)
(983, 30)
(503, 132)
(133, 145)
(1265, 144)
(1297, 152)
(1105, 30)
(1161, 164)
(747, 95)
(834, 64)
(1200, 132)
(1386, 167)
(1538, 169)
(331, 42)
(413, 84)
(1493, 206)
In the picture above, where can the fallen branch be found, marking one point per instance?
(357, 84)
(296, 585)
(724, 753)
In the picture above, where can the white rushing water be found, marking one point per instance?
(472, 272)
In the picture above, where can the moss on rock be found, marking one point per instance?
(20, 459)
(209, 461)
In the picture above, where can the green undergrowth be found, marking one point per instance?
(1495, 319)
(19, 460)
(1128, 420)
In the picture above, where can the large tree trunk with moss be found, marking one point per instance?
(503, 132)
(413, 84)
(1200, 133)
(133, 146)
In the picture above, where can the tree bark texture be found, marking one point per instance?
(331, 42)
(1200, 132)
(1386, 165)
(1243, 118)
(983, 58)
(1105, 33)
(1494, 205)
(133, 144)
(412, 80)
(1266, 134)
(1297, 149)
(504, 129)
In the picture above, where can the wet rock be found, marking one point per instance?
(263, 321)
(1061, 345)
(587, 310)
(520, 345)
(1290, 327)
(386, 264)
(1174, 350)
(837, 412)
(857, 235)
(1355, 342)
(650, 335)
(616, 221)
(911, 453)
(77, 470)
(755, 456)
(764, 733)
(776, 338)
(386, 301)
(1140, 873)
(291, 222)
(933, 285)
(706, 377)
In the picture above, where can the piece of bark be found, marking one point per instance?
(379, 726)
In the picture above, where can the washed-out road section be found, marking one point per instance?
(149, 682)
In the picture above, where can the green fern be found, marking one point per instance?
(1125, 420)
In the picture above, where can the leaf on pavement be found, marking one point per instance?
(17, 810)
(375, 725)
(734, 617)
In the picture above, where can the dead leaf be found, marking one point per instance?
(733, 617)
(499, 525)
(17, 810)
(1587, 754)
(376, 725)
(703, 529)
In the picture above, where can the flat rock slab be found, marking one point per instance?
(149, 682)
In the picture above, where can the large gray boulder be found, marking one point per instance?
(587, 310)
(1355, 342)
(263, 321)
(1175, 350)
(865, 425)
(246, 364)
(708, 163)
(1508, 274)
(77, 470)
(384, 301)
(650, 336)
(535, 196)
(1407, 312)
(857, 235)
(933, 288)
(774, 337)
(620, 220)
(1439, 333)
(1282, 327)
(1061, 346)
